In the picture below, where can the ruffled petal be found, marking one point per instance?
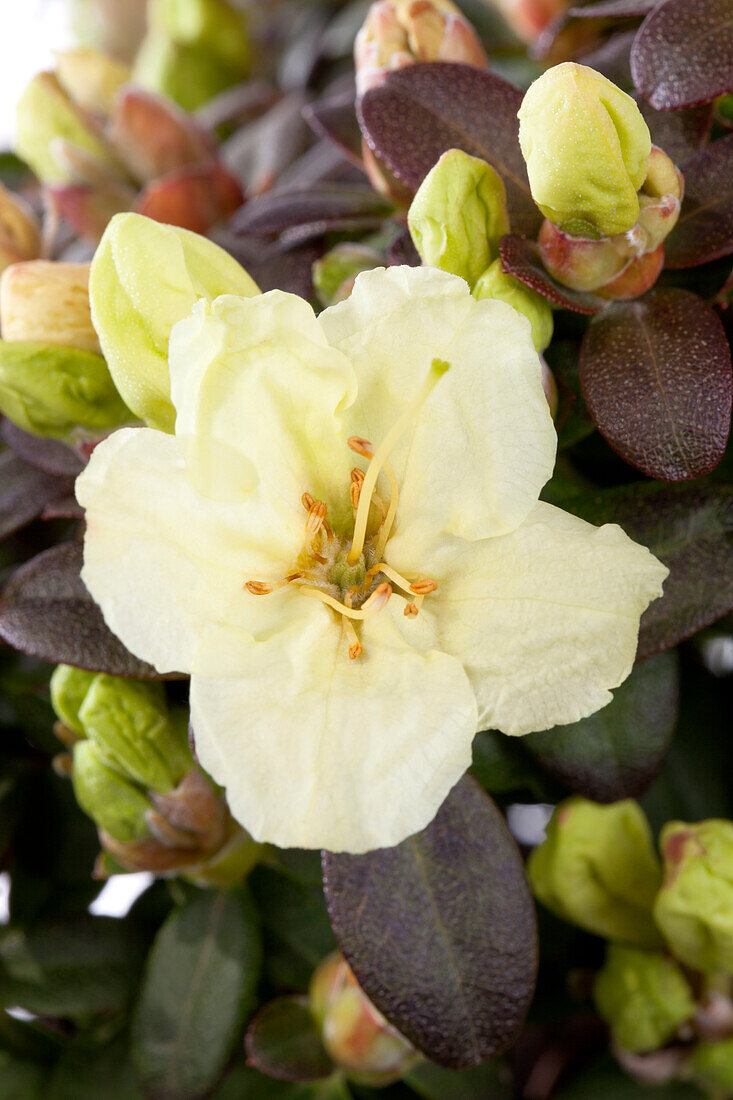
(317, 751)
(483, 445)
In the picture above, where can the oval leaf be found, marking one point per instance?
(25, 492)
(335, 120)
(48, 455)
(681, 134)
(320, 206)
(440, 931)
(682, 53)
(617, 752)
(201, 976)
(704, 231)
(656, 378)
(283, 1042)
(521, 258)
(46, 612)
(423, 110)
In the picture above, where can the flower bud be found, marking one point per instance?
(69, 687)
(496, 283)
(90, 78)
(643, 996)
(45, 112)
(335, 272)
(115, 26)
(154, 137)
(637, 277)
(58, 393)
(711, 1066)
(459, 215)
(44, 302)
(577, 262)
(107, 796)
(528, 18)
(597, 868)
(694, 908)
(145, 277)
(355, 1033)
(587, 149)
(397, 33)
(20, 237)
(130, 723)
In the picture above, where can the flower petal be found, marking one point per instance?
(317, 751)
(167, 566)
(545, 619)
(484, 443)
(258, 394)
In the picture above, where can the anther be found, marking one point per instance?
(378, 598)
(423, 587)
(410, 610)
(258, 588)
(307, 501)
(360, 446)
(353, 640)
(316, 517)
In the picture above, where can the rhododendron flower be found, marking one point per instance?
(342, 543)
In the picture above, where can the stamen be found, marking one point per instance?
(376, 601)
(437, 370)
(412, 609)
(421, 587)
(354, 643)
(259, 588)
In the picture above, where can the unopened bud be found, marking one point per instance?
(587, 149)
(597, 868)
(107, 795)
(528, 18)
(355, 1033)
(577, 262)
(91, 78)
(459, 215)
(496, 283)
(154, 137)
(335, 272)
(115, 26)
(47, 303)
(694, 908)
(397, 33)
(638, 276)
(69, 687)
(643, 996)
(711, 1066)
(20, 237)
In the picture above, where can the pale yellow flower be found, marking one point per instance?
(349, 622)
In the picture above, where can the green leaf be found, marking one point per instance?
(605, 1080)
(200, 979)
(283, 1042)
(503, 766)
(20, 1079)
(243, 1083)
(440, 931)
(491, 1080)
(297, 931)
(616, 752)
(98, 1074)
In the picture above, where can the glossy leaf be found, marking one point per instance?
(317, 208)
(283, 1042)
(704, 231)
(440, 931)
(521, 258)
(690, 529)
(335, 119)
(616, 752)
(46, 612)
(680, 134)
(423, 110)
(48, 455)
(201, 975)
(503, 767)
(682, 53)
(656, 377)
(25, 492)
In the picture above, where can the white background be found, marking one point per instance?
(32, 30)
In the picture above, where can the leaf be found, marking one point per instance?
(605, 1080)
(48, 455)
(573, 421)
(423, 110)
(704, 230)
(46, 612)
(616, 752)
(680, 134)
(690, 529)
(243, 1083)
(69, 966)
(656, 378)
(440, 931)
(335, 120)
(503, 767)
(317, 209)
(283, 1042)
(682, 53)
(614, 9)
(20, 1079)
(25, 492)
(98, 1074)
(521, 258)
(490, 1081)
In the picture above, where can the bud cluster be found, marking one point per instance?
(133, 773)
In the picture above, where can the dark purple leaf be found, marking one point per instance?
(259, 153)
(440, 931)
(25, 492)
(48, 455)
(690, 529)
(683, 53)
(616, 752)
(680, 134)
(612, 57)
(521, 258)
(241, 104)
(63, 508)
(283, 1042)
(46, 612)
(656, 378)
(402, 251)
(335, 119)
(423, 110)
(704, 231)
(324, 206)
(614, 9)
(271, 266)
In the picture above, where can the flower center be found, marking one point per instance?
(350, 576)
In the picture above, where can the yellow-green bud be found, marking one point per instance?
(711, 1065)
(47, 303)
(459, 215)
(131, 724)
(643, 996)
(587, 148)
(69, 687)
(20, 237)
(107, 796)
(597, 868)
(145, 277)
(694, 908)
(91, 78)
(335, 272)
(496, 283)
(44, 113)
(58, 393)
(116, 26)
